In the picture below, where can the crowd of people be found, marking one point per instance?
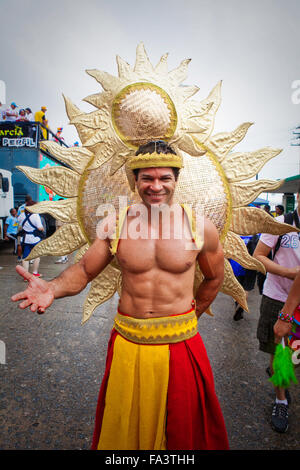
(12, 113)
(26, 230)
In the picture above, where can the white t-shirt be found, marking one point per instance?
(36, 221)
(288, 255)
(11, 111)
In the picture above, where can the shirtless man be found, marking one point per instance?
(157, 287)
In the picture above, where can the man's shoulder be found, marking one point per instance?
(209, 234)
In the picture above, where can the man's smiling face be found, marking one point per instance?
(156, 186)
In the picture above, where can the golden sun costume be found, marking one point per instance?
(141, 104)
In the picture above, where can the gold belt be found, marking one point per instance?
(161, 330)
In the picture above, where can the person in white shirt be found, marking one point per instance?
(22, 116)
(29, 115)
(31, 230)
(2, 112)
(282, 268)
(11, 113)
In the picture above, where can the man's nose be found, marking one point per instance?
(156, 185)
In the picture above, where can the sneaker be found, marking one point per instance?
(61, 260)
(37, 274)
(238, 314)
(279, 418)
(287, 393)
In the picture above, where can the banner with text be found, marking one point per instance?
(18, 134)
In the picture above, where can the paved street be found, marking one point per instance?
(54, 366)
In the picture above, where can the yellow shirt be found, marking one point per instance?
(38, 117)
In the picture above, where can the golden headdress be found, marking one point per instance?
(154, 160)
(143, 103)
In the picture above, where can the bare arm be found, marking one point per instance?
(261, 253)
(282, 328)
(40, 294)
(74, 279)
(211, 263)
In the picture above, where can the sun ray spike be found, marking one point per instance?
(99, 100)
(241, 166)
(103, 287)
(65, 240)
(71, 109)
(104, 151)
(220, 144)
(162, 66)
(64, 210)
(215, 95)
(187, 144)
(96, 120)
(251, 220)
(232, 287)
(179, 74)
(208, 119)
(75, 157)
(125, 70)
(107, 81)
(97, 138)
(186, 92)
(62, 181)
(243, 193)
(118, 162)
(234, 248)
(142, 64)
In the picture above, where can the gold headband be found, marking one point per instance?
(154, 160)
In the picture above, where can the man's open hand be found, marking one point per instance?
(38, 295)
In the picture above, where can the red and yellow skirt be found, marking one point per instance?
(158, 389)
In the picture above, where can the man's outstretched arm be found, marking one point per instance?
(75, 278)
(40, 294)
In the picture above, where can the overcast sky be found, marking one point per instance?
(252, 46)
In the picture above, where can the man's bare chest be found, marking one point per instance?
(142, 255)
